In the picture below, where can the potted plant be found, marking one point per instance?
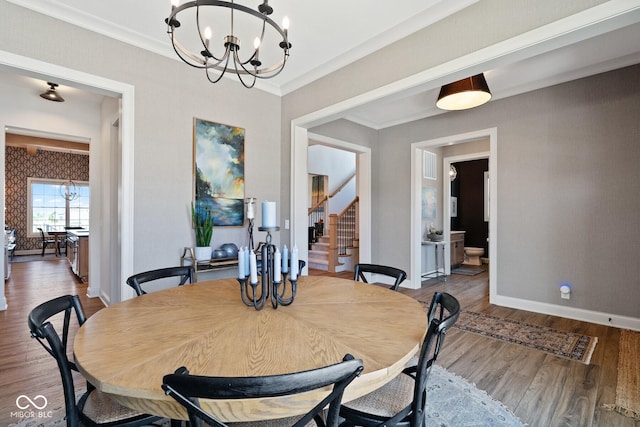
(203, 226)
(435, 235)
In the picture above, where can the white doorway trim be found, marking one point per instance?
(416, 185)
(363, 189)
(43, 70)
(299, 188)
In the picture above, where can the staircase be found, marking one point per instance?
(337, 251)
(319, 256)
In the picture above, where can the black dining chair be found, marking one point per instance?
(395, 273)
(185, 273)
(187, 389)
(46, 241)
(93, 408)
(401, 402)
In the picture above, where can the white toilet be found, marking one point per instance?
(472, 255)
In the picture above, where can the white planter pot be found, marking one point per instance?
(203, 253)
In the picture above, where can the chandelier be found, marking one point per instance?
(69, 191)
(229, 21)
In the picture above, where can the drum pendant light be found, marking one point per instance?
(463, 94)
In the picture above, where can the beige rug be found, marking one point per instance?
(564, 344)
(628, 388)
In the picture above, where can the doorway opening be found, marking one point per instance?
(111, 228)
(451, 149)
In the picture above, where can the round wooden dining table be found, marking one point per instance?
(125, 349)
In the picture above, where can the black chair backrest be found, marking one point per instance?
(443, 313)
(56, 345)
(186, 389)
(395, 273)
(184, 272)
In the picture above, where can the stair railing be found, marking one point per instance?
(343, 231)
(317, 215)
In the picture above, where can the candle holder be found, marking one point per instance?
(267, 287)
(251, 214)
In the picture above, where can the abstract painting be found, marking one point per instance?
(429, 202)
(218, 166)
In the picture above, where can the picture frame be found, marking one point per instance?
(218, 171)
(429, 203)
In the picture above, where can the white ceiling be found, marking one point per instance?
(357, 28)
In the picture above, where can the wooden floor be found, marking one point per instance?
(542, 390)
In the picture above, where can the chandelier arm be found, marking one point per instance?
(188, 57)
(222, 71)
(239, 73)
(259, 73)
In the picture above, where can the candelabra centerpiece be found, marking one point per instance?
(273, 266)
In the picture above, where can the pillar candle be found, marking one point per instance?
(246, 261)
(268, 214)
(253, 268)
(285, 259)
(294, 263)
(277, 266)
(241, 267)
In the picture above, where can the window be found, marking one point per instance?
(50, 210)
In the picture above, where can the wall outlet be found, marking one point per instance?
(286, 224)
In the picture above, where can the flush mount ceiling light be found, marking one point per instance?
(51, 94)
(229, 22)
(463, 94)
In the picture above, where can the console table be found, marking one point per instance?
(188, 258)
(439, 268)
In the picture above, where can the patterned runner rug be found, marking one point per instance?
(559, 343)
(628, 388)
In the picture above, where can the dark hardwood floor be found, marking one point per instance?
(541, 389)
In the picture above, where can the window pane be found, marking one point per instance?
(49, 207)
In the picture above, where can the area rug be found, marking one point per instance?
(451, 402)
(628, 388)
(467, 271)
(553, 341)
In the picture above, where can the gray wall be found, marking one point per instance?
(479, 26)
(168, 95)
(568, 180)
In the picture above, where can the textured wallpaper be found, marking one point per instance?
(45, 164)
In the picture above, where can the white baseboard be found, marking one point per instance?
(583, 315)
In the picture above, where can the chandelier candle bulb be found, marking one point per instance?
(277, 266)
(207, 37)
(268, 214)
(285, 259)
